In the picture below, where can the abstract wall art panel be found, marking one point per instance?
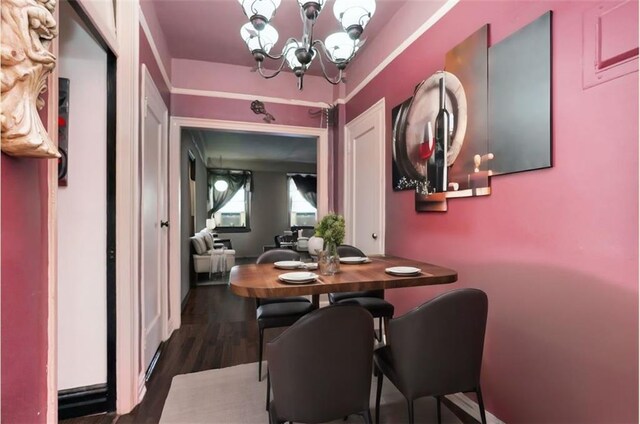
(520, 99)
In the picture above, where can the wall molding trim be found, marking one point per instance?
(241, 96)
(472, 408)
(127, 208)
(154, 49)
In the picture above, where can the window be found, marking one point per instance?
(301, 212)
(234, 216)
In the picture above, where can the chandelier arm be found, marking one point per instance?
(275, 73)
(281, 55)
(337, 79)
(326, 53)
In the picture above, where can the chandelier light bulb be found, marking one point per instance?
(354, 15)
(259, 12)
(221, 185)
(340, 46)
(259, 40)
(289, 51)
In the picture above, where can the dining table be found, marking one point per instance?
(261, 280)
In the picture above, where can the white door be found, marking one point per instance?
(365, 180)
(154, 210)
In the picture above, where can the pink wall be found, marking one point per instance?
(145, 56)
(556, 250)
(239, 110)
(211, 76)
(24, 290)
(409, 17)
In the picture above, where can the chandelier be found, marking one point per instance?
(338, 48)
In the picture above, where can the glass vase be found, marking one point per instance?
(328, 260)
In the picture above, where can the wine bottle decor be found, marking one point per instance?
(437, 162)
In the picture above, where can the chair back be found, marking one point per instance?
(275, 255)
(320, 367)
(346, 250)
(437, 347)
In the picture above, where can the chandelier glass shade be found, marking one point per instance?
(338, 48)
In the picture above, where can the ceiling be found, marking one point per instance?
(238, 146)
(210, 30)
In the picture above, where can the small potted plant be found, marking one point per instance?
(331, 229)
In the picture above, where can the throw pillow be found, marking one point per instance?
(199, 245)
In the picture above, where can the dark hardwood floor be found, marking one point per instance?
(218, 330)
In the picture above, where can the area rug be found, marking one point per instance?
(234, 395)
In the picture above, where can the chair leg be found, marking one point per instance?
(268, 390)
(261, 330)
(483, 415)
(366, 416)
(438, 409)
(386, 328)
(378, 394)
(379, 329)
(410, 406)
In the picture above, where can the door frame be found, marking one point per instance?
(148, 91)
(103, 399)
(378, 112)
(176, 125)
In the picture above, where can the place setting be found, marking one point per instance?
(295, 265)
(300, 277)
(403, 271)
(354, 260)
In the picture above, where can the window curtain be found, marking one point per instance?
(307, 187)
(217, 199)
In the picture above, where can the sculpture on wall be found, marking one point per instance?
(28, 26)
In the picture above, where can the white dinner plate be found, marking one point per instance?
(288, 264)
(311, 265)
(298, 277)
(403, 270)
(354, 259)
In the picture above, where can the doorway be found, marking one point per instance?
(154, 223)
(86, 219)
(177, 235)
(364, 170)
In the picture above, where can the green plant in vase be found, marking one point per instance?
(332, 230)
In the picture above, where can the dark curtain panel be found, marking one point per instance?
(217, 199)
(307, 186)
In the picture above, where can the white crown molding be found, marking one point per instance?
(472, 408)
(154, 49)
(241, 96)
(401, 48)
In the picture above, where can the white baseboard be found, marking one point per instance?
(472, 408)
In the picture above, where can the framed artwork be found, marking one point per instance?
(63, 130)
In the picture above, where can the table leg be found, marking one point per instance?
(315, 299)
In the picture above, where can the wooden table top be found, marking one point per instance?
(262, 280)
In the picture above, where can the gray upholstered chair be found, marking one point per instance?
(320, 367)
(280, 311)
(436, 349)
(371, 300)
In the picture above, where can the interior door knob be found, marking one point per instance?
(374, 236)
(164, 224)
